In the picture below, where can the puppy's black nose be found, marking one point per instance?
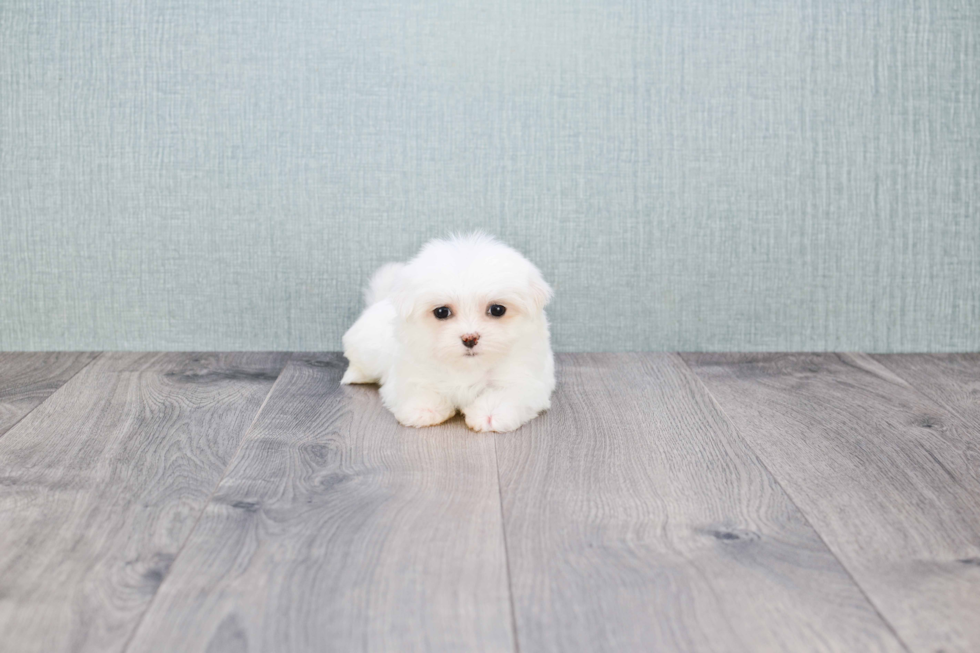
(470, 339)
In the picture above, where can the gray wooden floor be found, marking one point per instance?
(703, 502)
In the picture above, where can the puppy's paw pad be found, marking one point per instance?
(496, 421)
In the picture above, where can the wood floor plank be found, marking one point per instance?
(336, 529)
(636, 519)
(951, 380)
(889, 478)
(102, 483)
(28, 378)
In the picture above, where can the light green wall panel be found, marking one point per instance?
(691, 175)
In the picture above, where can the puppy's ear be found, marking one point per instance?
(539, 290)
(405, 300)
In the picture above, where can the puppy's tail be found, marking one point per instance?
(382, 283)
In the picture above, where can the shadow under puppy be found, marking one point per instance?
(459, 327)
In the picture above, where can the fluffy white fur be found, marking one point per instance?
(426, 371)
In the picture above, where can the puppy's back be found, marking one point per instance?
(382, 283)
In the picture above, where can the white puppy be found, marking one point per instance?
(460, 326)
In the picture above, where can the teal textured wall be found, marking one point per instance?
(691, 175)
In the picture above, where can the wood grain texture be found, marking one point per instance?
(637, 520)
(102, 483)
(951, 380)
(889, 478)
(336, 529)
(28, 378)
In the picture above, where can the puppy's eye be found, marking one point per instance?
(497, 310)
(442, 312)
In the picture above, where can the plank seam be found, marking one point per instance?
(789, 496)
(204, 507)
(67, 381)
(933, 400)
(503, 534)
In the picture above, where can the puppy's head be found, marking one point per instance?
(469, 299)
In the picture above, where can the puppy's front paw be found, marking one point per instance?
(500, 419)
(419, 415)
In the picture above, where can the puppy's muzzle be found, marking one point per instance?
(470, 340)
